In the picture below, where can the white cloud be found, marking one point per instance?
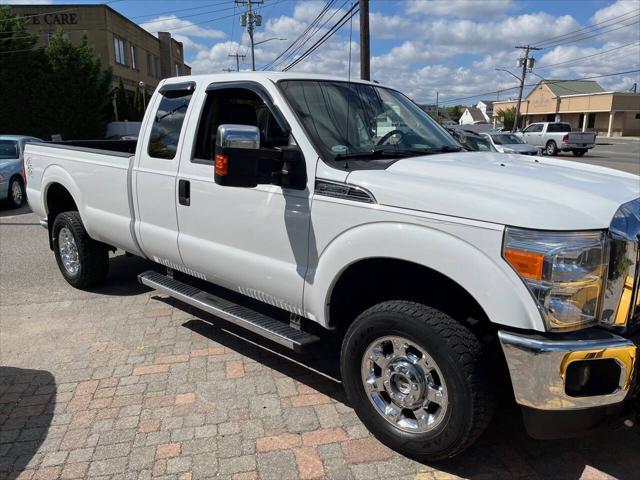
(182, 30)
(384, 26)
(459, 8)
(621, 20)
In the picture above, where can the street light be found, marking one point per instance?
(268, 40)
(142, 86)
(512, 74)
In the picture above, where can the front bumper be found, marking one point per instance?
(544, 369)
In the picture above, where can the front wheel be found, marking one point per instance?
(578, 152)
(82, 261)
(17, 194)
(417, 379)
(551, 148)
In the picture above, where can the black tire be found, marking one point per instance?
(578, 152)
(551, 148)
(17, 193)
(93, 256)
(459, 355)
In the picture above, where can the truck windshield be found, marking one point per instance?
(506, 139)
(348, 119)
(8, 149)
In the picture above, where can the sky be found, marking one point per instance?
(448, 48)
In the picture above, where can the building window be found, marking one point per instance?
(592, 121)
(134, 59)
(118, 45)
(157, 64)
(177, 70)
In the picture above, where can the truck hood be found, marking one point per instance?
(508, 189)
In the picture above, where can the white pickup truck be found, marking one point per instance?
(443, 273)
(554, 137)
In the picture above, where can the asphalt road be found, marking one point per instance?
(620, 154)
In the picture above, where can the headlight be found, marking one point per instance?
(563, 271)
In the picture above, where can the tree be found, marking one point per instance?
(138, 105)
(454, 113)
(123, 103)
(508, 116)
(22, 71)
(79, 89)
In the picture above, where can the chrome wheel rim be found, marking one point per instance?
(68, 251)
(16, 192)
(404, 384)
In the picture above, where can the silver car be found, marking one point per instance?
(506, 142)
(12, 181)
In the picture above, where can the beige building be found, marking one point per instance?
(583, 103)
(133, 54)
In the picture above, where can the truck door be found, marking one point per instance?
(533, 134)
(250, 240)
(161, 141)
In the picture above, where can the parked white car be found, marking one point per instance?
(12, 177)
(438, 270)
(554, 137)
(505, 142)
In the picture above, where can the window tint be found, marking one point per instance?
(558, 127)
(167, 124)
(536, 127)
(236, 106)
(8, 149)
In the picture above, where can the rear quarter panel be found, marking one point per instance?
(98, 182)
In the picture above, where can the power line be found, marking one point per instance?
(586, 29)
(587, 56)
(576, 40)
(534, 84)
(293, 46)
(318, 27)
(166, 12)
(339, 24)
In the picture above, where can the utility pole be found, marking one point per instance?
(527, 64)
(237, 56)
(365, 50)
(250, 20)
(437, 99)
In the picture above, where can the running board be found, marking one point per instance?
(244, 317)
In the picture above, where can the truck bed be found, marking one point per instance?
(99, 180)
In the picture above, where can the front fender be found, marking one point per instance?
(468, 255)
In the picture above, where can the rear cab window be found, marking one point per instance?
(558, 127)
(169, 119)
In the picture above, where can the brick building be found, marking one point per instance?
(133, 54)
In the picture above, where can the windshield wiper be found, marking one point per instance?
(401, 152)
(371, 154)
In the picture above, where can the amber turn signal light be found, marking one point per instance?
(222, 164)
(527, 264)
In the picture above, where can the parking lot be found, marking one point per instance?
(123, 383)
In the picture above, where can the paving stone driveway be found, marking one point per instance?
(133, 386)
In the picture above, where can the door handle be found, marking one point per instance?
(184, 192)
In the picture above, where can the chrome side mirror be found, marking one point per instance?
(238, 136)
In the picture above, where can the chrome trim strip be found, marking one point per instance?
(344, 191)
(537, 366)
(44, 222)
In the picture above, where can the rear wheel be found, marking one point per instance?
(17, 193)
(551, 148)
(417, 379)
(82, 261)
(578, 152)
